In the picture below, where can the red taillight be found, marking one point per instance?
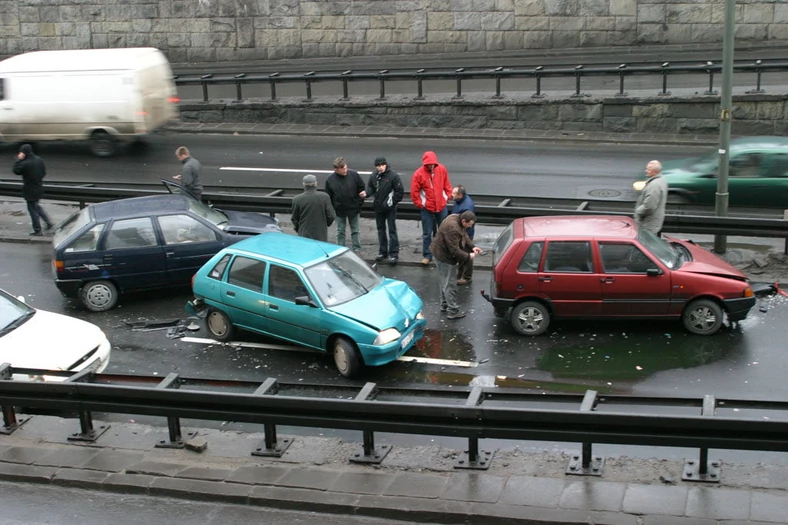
(59, 266)
(174, 100)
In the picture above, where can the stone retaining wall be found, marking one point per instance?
(221, 30)
(752, 114)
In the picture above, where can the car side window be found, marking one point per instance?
(182, 229)
(88, 241)
(624, 258)
(746, 166)
(131, 233)
(218, 270)
(286, 284)
(247, 273)
(532, 258)
(779, 166)
(569, 256)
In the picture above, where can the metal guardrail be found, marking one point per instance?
(502, 214)
(473, 413)
(496, 74)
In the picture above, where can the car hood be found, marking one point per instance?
(706, 262)
(388, 305)
(249, 222)
(49, 340)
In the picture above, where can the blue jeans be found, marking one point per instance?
(355, 233)
(36, 214)
(388, 245)
(429, 227)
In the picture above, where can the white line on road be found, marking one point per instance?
(432, 361)
(275, 170)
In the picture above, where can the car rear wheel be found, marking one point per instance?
(703, 317)
(102, 144)
(218, 325)
(99, 296)
(530, 318)
(346, 357)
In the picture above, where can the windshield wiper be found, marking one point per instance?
(19, 321)
(348, 275)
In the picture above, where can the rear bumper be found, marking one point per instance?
(739, 308)
(498, 302)
(69, 287)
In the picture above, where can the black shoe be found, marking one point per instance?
(444, 308)
(393, 260)
(48, 227)
(380, 257)
(458, 315)
(35, 234)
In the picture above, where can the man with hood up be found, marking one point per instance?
(32, 169)
(430, 189)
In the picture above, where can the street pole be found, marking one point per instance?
(721, 198)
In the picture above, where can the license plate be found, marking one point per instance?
(407, 340)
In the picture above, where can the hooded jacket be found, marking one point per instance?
(32, 170)
(344, 190)
(430, 190)
(385, 189)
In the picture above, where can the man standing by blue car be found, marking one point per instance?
(463, 202)
(346, 189)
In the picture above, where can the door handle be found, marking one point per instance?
(169, 254)
(231, 294)
(547, 279)
(607, 280)
(273, 306)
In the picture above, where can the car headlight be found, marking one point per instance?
(386, 336)
(420, 315)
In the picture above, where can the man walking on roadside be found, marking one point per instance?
(189, 176)
(462, 203)
(450, 246)
(32, 169)
(650, 205)
(345, 188)
(312, 212)
(429, 190)
(385, 188)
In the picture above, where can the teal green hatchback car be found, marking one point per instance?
(311, 293)
(758, 175)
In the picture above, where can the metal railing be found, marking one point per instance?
(474, 413)
(662, 71)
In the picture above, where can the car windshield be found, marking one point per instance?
(13, 313)
(502, 243)
(705, 164)
(214, 216)
(71, 225)
(342, 278)
(660, 249)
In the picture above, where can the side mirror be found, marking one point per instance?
(304, 300)
(653, 272)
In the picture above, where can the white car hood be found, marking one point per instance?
(49, 340)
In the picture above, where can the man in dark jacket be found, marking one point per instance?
(189, 176)
(451, 245)
(385, 187)
(32, 169)
(346, 190)
(312, 211)
(463, 202)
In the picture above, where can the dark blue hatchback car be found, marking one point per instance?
(143, 243)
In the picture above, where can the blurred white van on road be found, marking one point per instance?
(99, 95)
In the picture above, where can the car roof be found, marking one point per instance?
(608, 226)
(760, 142)
(296, 250)
(138, 206)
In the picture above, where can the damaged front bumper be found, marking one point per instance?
(765, 289)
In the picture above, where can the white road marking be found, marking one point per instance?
(275, 170)
(241, 344)
(442, 362)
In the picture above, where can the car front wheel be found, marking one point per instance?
(530, 318)
(218, 325)
(346, 357)
(99, 296)
(703, 317)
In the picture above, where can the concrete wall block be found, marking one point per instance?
(602, 23)
(65, 29)
(780, 13)
(141, 26)
(194, 25)
(760, 13)
(145, 11)
(244, 32)
(277, 22)
(218, 25)
(650, 34)
(359, 23)
(537, 40)
(513, 40)
(696, 110)
(770, 110)
(580, 112)
(679, 34)
(688, 14)
(706, 33)
(507, 112)
(564, 39)
(178, 40)
(351, 36)
(291, 8)
(561, 7)
(623, 7)
(46, 29)
(332, 22)
(746, 111)
(529, 8)
(50, 43)
(159, 26)
(440, 21)
(594, 8)
(318, 35)
(652, 110)
(651, 13)
(778, 32)
(477, 41)
(622, 38)
(403, 6)
(28, 29)
(617, 110)
(537, 112)
(91, 13)
(504, 5)
(117, 13)
(379, 36)
(448, 37)
(625, 23)
(497, 21)
(201, 54)
(418, 27)
(69, 13)
(755, 127)
(29, 43)
(569, 23)
(531, 23)
(758, 32)
(468, 21)
(483, 6)
(493, 40)
(372, 8)
(401, 35)
(49, 14)
(213, 40)
(593, 38)
(6, 34)
(29, 14)
(656, 125)
(441, 48)
(697, 126)
(383, 21)
(118, 27)
(583, 126)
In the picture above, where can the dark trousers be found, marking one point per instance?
(429, 227)
(388, 244)
(36, 214)
(465, 270)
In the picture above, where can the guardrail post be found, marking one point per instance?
(703, 469)
(419, 87)
(578, 76)
(459, 83)
(88, 433)
(711, 90)
(758, 71)
(308, 81)
(238, 93)
(497, 83)
(173, 423)
(205, 86)
(537, 71)
(586, 464)
(272, 81)
(10, 421)
(344, 75)
(369, 454)
(382, 80)
(272, 448)
(621, 92)
(473, 459)
(664, 91)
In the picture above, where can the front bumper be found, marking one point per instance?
(739, 308)
(381, 355)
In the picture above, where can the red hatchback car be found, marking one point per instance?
(603, 267)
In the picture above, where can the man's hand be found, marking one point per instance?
(363, 194)
(477, 250)
(20, 156)
(177, 177)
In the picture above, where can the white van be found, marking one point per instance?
(100, 95)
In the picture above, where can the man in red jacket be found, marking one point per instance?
(430, 189)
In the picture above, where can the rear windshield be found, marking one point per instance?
(71, 225)
(502, 244)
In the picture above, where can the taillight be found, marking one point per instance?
(59, 266)
(174, 100)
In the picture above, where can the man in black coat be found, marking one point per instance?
(346, 189)
(385, 186)
(31, 168)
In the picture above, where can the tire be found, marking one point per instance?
(346, 358)
(102, 144)
(702, 317)
(530, 318)
(219, 326)
(99, 296)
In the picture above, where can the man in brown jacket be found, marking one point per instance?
(450, 246)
